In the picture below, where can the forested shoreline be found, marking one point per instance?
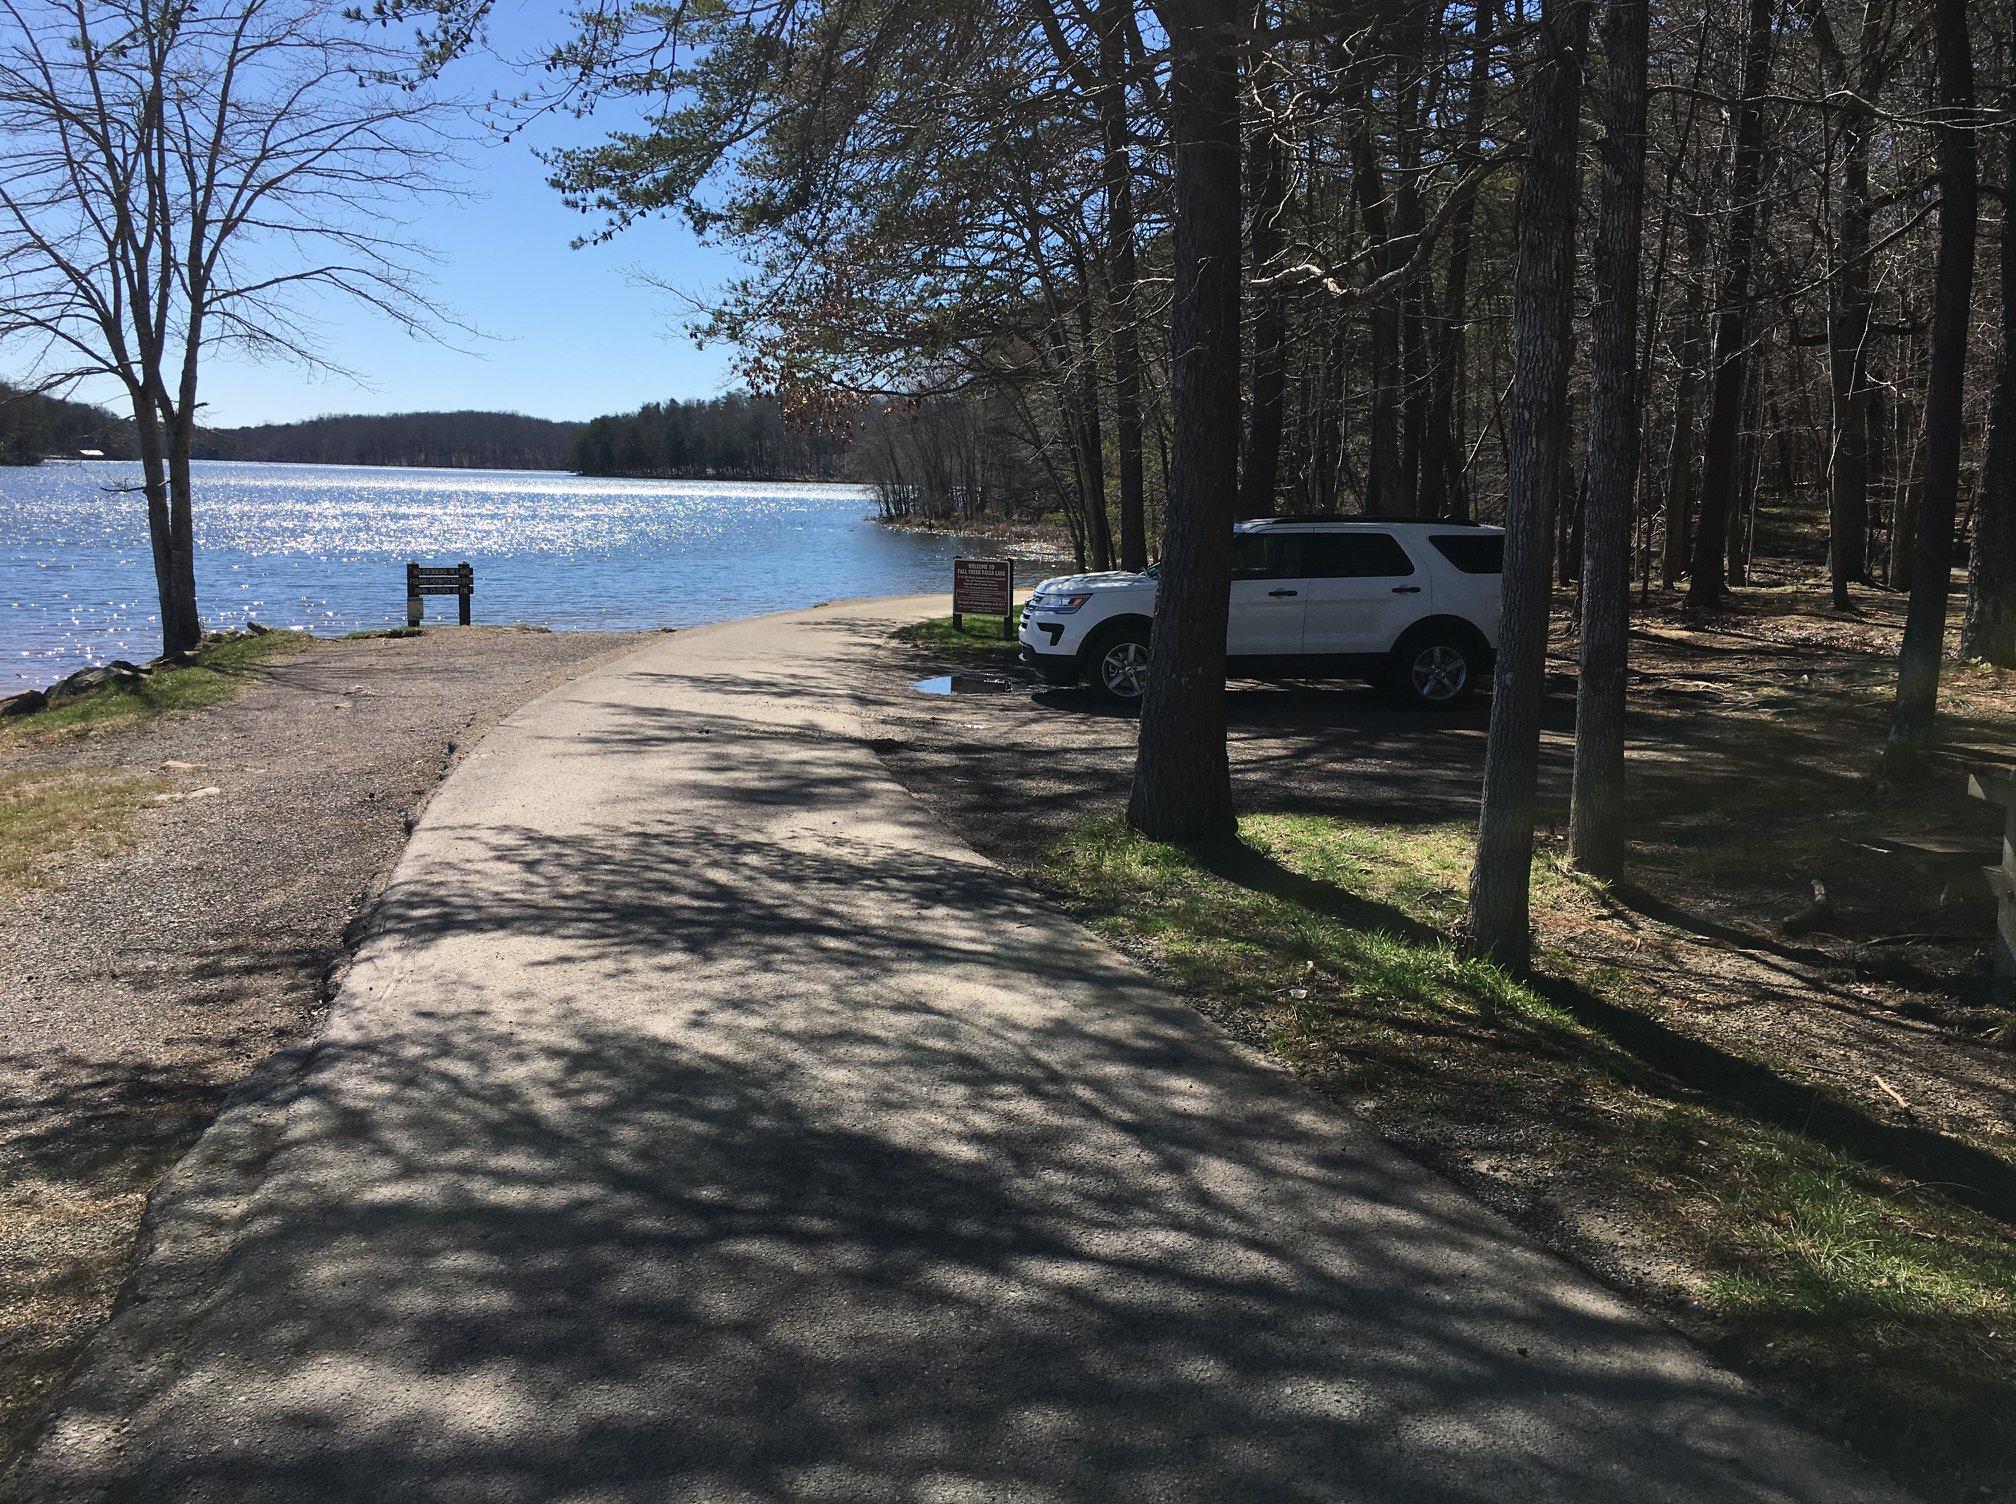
(731, 437)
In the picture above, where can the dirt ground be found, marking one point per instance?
(1866, 1020)
(136, 990)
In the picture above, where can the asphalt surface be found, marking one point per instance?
(701, 1121)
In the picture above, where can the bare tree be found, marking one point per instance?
(1182, 780)
(1989, 630)
(1596, 829)
(181, 175)
(1924, 648)
(1708, 584)
(1543, 309)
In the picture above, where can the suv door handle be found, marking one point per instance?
(1406, 589)
(1279, 593)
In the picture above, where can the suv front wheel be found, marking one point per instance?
(1117, 665)
(1436, 669)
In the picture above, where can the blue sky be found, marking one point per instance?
(570, 333)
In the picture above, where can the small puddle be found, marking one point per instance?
(968, 684)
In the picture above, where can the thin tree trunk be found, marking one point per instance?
(1596, 823)
(1259, 477)
(1924, 647)
(1706, 587)
(1384, 480)
(180, 630)
(1848, 362)
(1543, 297)
(1182, 781)
(1989, 631)
(1100, 525)
(1686, 450)
(1116, 140)
(1444, 490)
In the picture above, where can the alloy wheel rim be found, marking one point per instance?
(1440, 673)
(1124, 669)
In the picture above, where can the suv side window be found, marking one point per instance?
(1354, 556)
(1473, 553)
(1266, 556)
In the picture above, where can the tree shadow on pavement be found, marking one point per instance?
(771, 1146)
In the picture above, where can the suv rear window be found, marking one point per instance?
(1473, 553)
(1353, 556)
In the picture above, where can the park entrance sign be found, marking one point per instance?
(983, 587)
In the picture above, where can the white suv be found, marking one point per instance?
(1413, 605)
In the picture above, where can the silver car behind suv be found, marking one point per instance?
(1412, 605)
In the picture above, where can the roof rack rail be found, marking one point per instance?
(1363, 517)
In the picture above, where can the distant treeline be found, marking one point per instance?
(451, 441)
(32, 425)
(736, 437)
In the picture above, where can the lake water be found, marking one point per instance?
(325, 548)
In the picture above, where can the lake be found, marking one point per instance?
(325, 548)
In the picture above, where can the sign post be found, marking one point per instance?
(984, 587)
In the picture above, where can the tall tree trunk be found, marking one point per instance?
(1385, 490)
(175, 530)
(1543, 297)
(1706, 586)
(174, 577)
(1596, 823)
(1848, 369)
(1848, 313)
(1989, 631)
(1182, 782)
(1408, 221)
(1116, 142)
(1444, 493)
(1259, 477)
(1945, 384)
(1686, 449)
(1099, 524)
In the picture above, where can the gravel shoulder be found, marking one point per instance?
(137, 990)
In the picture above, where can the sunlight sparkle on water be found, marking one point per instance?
(293, 544)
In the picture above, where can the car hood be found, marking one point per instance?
(1091, 584)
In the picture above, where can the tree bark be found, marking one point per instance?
(1685, 452)
(1182, 782)
(1116, 142)
(1596, 823)
(1543, 297)
(174, 568)
(1707, 585)
(1259, 477)
(1918, 663)
(1385, 477)
(1989, 631)
(1443, 490)
(1849, 326)
(1099, 524)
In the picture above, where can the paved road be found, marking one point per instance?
(702, 1122)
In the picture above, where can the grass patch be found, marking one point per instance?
(377, 632)
(221, 669)
(977, 633)
(1874, 1292)
(48, 816)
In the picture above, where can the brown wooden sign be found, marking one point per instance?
(983, 587)
(445, 579)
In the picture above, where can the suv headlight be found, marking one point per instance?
(1061, 605)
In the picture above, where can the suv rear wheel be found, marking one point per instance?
(1117, 664)
(1436, 669)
